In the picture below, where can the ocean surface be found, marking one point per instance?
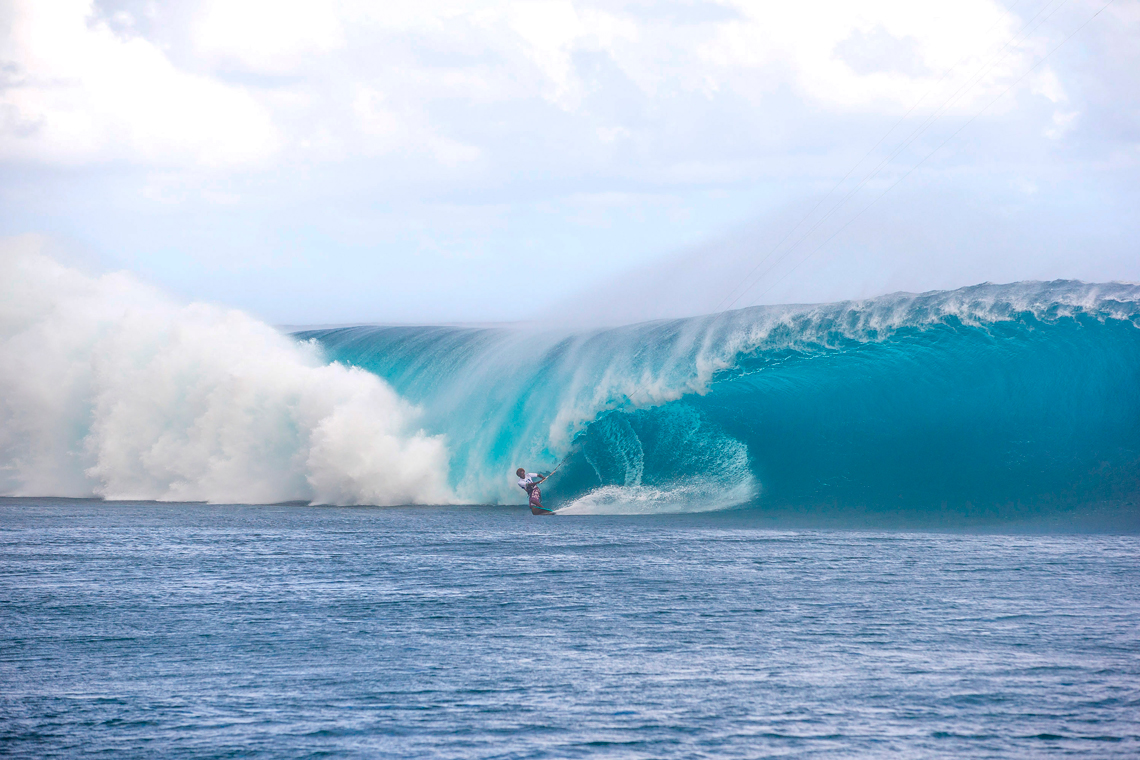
(901, 526)
(286, 631)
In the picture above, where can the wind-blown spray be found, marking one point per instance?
(111, 388)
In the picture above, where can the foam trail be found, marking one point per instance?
(110, 387)
(687, 496)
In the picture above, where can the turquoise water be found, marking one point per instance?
(188, 630)
(1008, 402)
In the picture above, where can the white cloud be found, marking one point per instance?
(351, 159)
(350, 78)
(269, 36)
(610, 134)
(452, 153)
(382, 128)
(1048, 85)
(550, 31)
(553, 31)
(796, 43)
(84, 94)
(1063, 122)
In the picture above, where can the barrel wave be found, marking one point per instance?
(1008, 402)
(993, 401)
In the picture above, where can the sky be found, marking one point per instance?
(347, 161)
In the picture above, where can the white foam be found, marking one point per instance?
(110, 387)
(690, 495)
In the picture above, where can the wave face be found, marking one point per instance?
(991, 401)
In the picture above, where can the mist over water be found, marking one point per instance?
(998, 402)
(922, 239)
(111, 388)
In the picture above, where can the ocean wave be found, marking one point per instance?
(949, 400)
(991, 399)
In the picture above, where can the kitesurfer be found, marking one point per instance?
(529, 483)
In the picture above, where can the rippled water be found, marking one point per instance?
(140, 630)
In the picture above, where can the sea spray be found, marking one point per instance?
(112, 388)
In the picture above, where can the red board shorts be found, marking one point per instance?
(536, 498)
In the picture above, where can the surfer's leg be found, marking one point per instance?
(536, 507)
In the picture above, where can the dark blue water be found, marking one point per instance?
(174, 630)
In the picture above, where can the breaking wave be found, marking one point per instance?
(108, 387)
(989, 400)
(992, 400)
